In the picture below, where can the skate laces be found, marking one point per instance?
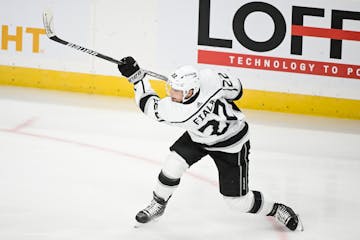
(154, 208)
(283, 215)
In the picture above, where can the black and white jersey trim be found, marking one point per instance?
(234, 106)
(199, 108)
(142, 85)
(240, 92)
(144, 100)
(234, 139)
(239, 95)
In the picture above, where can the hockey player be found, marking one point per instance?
(203, 104)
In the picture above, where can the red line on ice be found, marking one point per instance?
(281, 234)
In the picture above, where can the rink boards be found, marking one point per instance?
(119, 86)
(296, 56)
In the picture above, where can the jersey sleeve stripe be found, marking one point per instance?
(144, 100)
(240, 92)
(239, 95)
(142, 84)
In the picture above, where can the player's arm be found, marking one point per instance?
(145, 97)
(231, 86)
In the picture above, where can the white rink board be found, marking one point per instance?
(163, 35)
(73, 19)
(260, 27)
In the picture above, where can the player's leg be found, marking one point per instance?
(233, 171)
(234, 186)
(184, 153)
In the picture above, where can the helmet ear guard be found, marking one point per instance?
(185, 79)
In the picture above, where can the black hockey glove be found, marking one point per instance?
(131, 70)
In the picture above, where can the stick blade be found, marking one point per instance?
(48, 23)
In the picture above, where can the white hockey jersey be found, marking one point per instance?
(211, 118)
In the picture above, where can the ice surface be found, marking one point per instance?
(77, 166)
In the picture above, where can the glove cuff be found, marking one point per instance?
(137, 76)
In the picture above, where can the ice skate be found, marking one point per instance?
(286, 216)
(151, 212)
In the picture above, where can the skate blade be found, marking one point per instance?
(300, 226)
(140, 225)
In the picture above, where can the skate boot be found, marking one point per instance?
(287, 217)
(153, 211)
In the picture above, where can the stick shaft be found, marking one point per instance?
(85, 50)
(48, 24)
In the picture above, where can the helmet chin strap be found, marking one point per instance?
(186, 96)
(191, 98)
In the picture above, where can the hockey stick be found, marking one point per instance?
(49, 28)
